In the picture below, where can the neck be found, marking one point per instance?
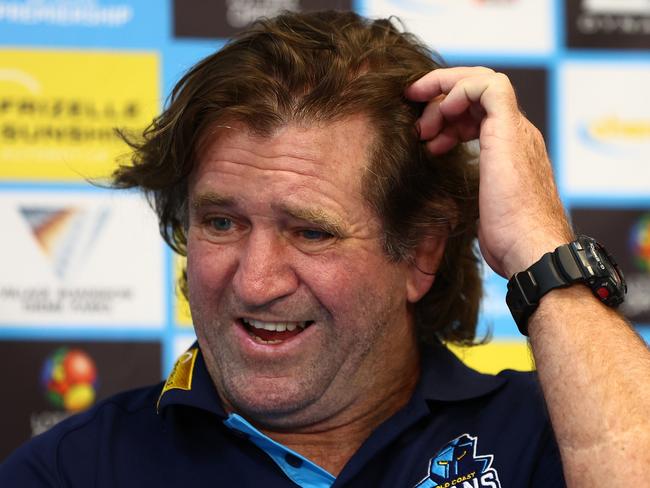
(331, 444)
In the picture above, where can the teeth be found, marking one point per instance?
(275, 326)
(262, 341)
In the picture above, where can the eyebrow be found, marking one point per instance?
(212, 199)
(317, 216)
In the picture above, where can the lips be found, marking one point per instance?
(273, 332)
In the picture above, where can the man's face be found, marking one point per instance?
(298, 311)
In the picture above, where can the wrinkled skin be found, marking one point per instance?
(279, 232)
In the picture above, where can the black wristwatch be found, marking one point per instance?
(581, 261)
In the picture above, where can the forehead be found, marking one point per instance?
(329, 157)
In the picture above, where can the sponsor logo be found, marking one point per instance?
(457, 464)
(47, 381)
(79, 259)
(614, 128)
(69, 379)
(639, 7)
(640, 243)
(65, 234)
(58, 122)
(84, 13)
(240, 13)
(42, 421)
(615, 135)
(227, 17)
(608, 23)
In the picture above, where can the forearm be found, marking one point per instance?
(595, 373)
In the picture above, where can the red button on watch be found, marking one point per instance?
(602, 292)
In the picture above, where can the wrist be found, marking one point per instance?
(581, 261)
(531, 250)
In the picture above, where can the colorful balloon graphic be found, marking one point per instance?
(69, 379)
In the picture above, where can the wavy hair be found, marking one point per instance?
(321, 67)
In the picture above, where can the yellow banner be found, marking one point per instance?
(182, 307)
(59, 109)
(496, 356)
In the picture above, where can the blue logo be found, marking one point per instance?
(457, 464)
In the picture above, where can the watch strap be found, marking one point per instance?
(557, 269)
(527, 287)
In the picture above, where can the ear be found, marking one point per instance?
(422, 269)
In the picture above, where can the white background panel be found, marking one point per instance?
(518, 26)
(605, 128)
(95, 259)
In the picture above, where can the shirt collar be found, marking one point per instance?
(444, 378)
(189, 383)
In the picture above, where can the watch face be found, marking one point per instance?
(606, 273)
(595, 257)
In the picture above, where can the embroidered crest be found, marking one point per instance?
(458, 465)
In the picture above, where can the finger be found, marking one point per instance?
(431, 121)
(462, 101)
(442, 143)
(462, 130)
(464, 94)
(492, 92)
(434, 120)
(441, 81)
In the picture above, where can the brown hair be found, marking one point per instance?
(320, 67)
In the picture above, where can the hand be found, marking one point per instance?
(521, 216)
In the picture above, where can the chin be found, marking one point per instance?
(276, 407)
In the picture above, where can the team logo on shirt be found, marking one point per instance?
(458, 465)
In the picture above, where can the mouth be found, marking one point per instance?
(273, 333)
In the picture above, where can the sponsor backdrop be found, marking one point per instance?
(88, 301)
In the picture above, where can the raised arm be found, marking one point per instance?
(594, 369)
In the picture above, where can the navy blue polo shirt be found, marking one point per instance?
(460, 429)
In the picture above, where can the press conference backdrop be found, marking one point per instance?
(88, 302)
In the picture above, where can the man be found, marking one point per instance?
(312, 174)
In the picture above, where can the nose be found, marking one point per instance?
(264, 272)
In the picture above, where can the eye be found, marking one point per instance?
(221, 229)
(221, 224)
(315, 235)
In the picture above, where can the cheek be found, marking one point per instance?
(353, 285)
(207, 267)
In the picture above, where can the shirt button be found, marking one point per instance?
(292, 460)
